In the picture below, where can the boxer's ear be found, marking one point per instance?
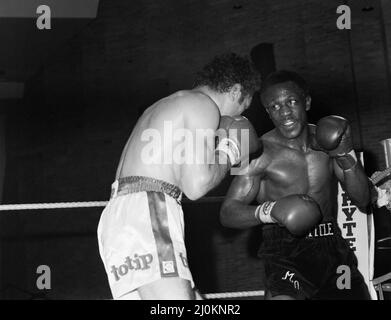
(308, 103)
(262, 103)
(235, 91)
(266, 109)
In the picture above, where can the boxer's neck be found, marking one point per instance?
(301, 142)
(218, 98)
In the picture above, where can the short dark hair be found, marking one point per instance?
(285, 76)
(226, 70)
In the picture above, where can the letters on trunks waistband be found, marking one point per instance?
(322, 230)
(133, 184)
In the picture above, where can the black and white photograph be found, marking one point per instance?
(220, 151)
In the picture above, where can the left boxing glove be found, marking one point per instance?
(299, 213)
(333, 136)
(237, 138)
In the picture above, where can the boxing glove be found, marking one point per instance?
(333, 136)
(237, 138)
(298, 213)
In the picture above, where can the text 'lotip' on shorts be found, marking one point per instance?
(141, 240)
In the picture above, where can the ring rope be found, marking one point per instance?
(239, 294)
(82, 204)
(90, 204)
(54, 205)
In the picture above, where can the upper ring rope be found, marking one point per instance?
(55, 205)
(83, 204)
(89, 204)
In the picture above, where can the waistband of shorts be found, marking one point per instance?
(133, 184)
(324, 229)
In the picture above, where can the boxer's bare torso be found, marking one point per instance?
(292, 165)
(175, 141)
(288, 165)
(181, 110)
(285, 170)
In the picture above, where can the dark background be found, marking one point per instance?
(87, 80)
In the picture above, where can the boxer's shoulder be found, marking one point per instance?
(268, 136)
(271, 141)
(258, 165)
(196, 109)
(193, 97)
(193, 100)
(199, 109)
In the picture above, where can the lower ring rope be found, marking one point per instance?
(239, 294)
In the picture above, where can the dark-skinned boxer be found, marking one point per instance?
(295, 184)
(174, 147)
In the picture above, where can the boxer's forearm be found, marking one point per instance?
(201, 178)
(357, 185)
(216, 173)
(218, 169)
(235, 214)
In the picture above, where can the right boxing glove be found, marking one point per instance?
(333, 136)
(299, 213)
(230, 138)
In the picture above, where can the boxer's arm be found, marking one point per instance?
(199, 178)
(333, 136)
(355, 182)
(235, 211)
(206, 168)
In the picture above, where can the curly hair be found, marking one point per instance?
(226, 70)
(285, 76)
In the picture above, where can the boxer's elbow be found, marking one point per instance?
(195, 187)
(361, 199)
(359, 202)
(363, 203)
(199, 180)
(226, 216)
(365, 199)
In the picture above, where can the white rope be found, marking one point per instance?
(239, 294)
(81, 204)
(54, 205)
(89, 204)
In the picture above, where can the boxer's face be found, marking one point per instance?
(238, 101)
(235, 101)
(243, 103)
(287, 107)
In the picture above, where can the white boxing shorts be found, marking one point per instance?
(141, 235)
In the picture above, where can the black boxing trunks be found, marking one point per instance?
(311, 267)
(141, 235)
